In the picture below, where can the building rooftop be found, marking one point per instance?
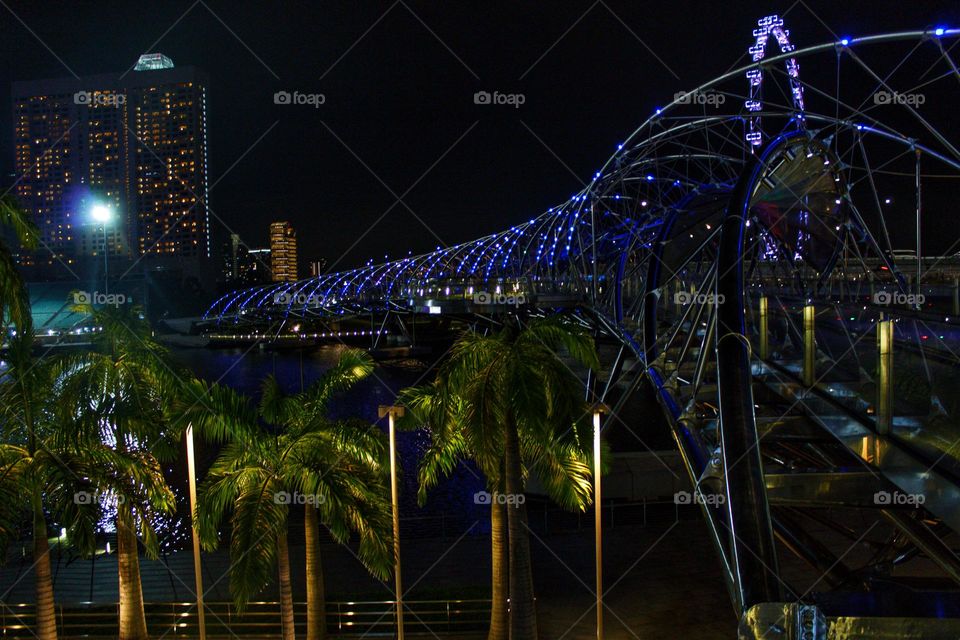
(152, 62)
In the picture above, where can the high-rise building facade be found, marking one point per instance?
(135, 143)
(260, 269)
(283, 252)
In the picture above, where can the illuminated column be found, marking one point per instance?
(392, 412)
(764, 332)
(598, 514)
(809, 345)
(197, 575)
(885, 377)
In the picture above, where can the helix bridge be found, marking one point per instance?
(756, 252)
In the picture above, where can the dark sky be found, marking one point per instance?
(399, 118)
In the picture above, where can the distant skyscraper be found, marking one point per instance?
(236, 260)
(135, 141)
(318, 267)
(283, 252)
(260, 271)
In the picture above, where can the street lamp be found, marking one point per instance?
(394, 411)
(598, 513)
(103, 214)
(197, 575)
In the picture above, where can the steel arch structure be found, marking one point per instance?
(740, 246)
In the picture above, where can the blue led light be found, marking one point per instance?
(940, 31)
(845, 41)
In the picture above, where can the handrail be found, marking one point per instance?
(260, 619)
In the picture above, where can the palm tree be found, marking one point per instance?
(34, 474)
(508, 402)
(289, 451)
(443, 413)
(13, 294)
(122, 390)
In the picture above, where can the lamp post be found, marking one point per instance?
(598, 514)
(197, 575)
(392, 412)
(103, 214)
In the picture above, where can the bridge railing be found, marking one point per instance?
(259, 619)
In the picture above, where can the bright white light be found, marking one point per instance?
(101, 213)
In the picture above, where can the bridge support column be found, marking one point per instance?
(764, 329)
(809, 345)
(885, 376)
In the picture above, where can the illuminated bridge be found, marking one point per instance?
(745, 249)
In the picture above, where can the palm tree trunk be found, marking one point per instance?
(316, 597)
(133, 621)
(499, 618)
(46, 614)
(523, 613)
(286, 591)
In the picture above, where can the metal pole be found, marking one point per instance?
(764, 329)
(885, 378)
(197, 575)
(598, 516)
(809, 345)
(391, 412)
(106, 264)
(919, 255)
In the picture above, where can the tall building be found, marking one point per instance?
(243, 266)
(318, 267)
(236, 260)
(283, 252)
(134, 142)
(260, 269)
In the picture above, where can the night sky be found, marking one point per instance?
(399, 119)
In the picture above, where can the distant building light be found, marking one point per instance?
(153, 62)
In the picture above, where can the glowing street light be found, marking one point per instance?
(598, 410)
(394, 411)
(101, 213)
